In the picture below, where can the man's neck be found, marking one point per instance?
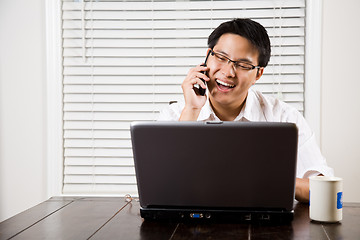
(227, 112)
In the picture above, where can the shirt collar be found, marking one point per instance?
(252, 110)
(207, 113)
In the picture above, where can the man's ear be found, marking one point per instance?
(259, 73)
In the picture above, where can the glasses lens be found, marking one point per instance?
(245, 66)
(220, 58)
(238, 65)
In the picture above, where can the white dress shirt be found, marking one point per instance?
(258, 107)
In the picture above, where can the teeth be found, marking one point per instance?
(224, 83)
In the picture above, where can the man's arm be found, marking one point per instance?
(302, 190)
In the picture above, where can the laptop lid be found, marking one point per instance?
(215, 165)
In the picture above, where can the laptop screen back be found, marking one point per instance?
(215, 165)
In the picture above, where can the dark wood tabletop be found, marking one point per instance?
(114, 218)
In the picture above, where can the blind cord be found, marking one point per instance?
(83, 37)
(93, 157)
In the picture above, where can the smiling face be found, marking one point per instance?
(228, 86)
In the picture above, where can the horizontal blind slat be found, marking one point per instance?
(100, 170)
(175, 5)
(130, 70)
(119, 116)
(91, 124)
(164, 62)
(186, 14)
(117, 189)
(138, 89)
(127, 98)
(99, 161)
(165, 33)
(111, 107)
(165, 43)
(158, 98)
(179, 24)
(169, 79)
(97, 152)
(90, 134)
(162, 52)
(97, 143)
(90, 179)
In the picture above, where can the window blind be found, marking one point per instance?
(124, 61)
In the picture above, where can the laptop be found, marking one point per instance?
(215, 171)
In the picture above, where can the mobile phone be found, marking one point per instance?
(199, 90)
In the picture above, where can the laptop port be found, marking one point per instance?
(247, 217)
(196, 215)
(265, 217)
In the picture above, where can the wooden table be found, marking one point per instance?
(114, 218)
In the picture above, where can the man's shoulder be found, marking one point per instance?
(172, 111)
(176, 105)
(274, 108)
(269, 100)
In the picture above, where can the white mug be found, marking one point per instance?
(326, 198)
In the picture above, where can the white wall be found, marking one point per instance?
(340, 114)
(22, 84)
(23, 102)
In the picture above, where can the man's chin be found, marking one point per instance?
(222, 99)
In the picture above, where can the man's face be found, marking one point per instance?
(228, 86)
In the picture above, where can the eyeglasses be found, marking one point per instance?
(238, 65)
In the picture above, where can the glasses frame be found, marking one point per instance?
(236, 64)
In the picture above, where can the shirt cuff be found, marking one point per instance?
(314, 171)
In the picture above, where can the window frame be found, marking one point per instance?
(54, 95)
(54, 88)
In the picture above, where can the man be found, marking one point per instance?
(238, 52)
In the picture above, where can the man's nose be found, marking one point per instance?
(228, 69)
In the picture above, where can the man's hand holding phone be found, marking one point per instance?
(194, 101)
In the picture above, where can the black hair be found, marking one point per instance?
(249, 29)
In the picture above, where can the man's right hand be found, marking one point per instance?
(193, 101)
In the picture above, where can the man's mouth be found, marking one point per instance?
(223, 85)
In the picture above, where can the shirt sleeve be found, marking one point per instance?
(310, 161)
(170, 113)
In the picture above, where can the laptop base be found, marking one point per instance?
(209, 215)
